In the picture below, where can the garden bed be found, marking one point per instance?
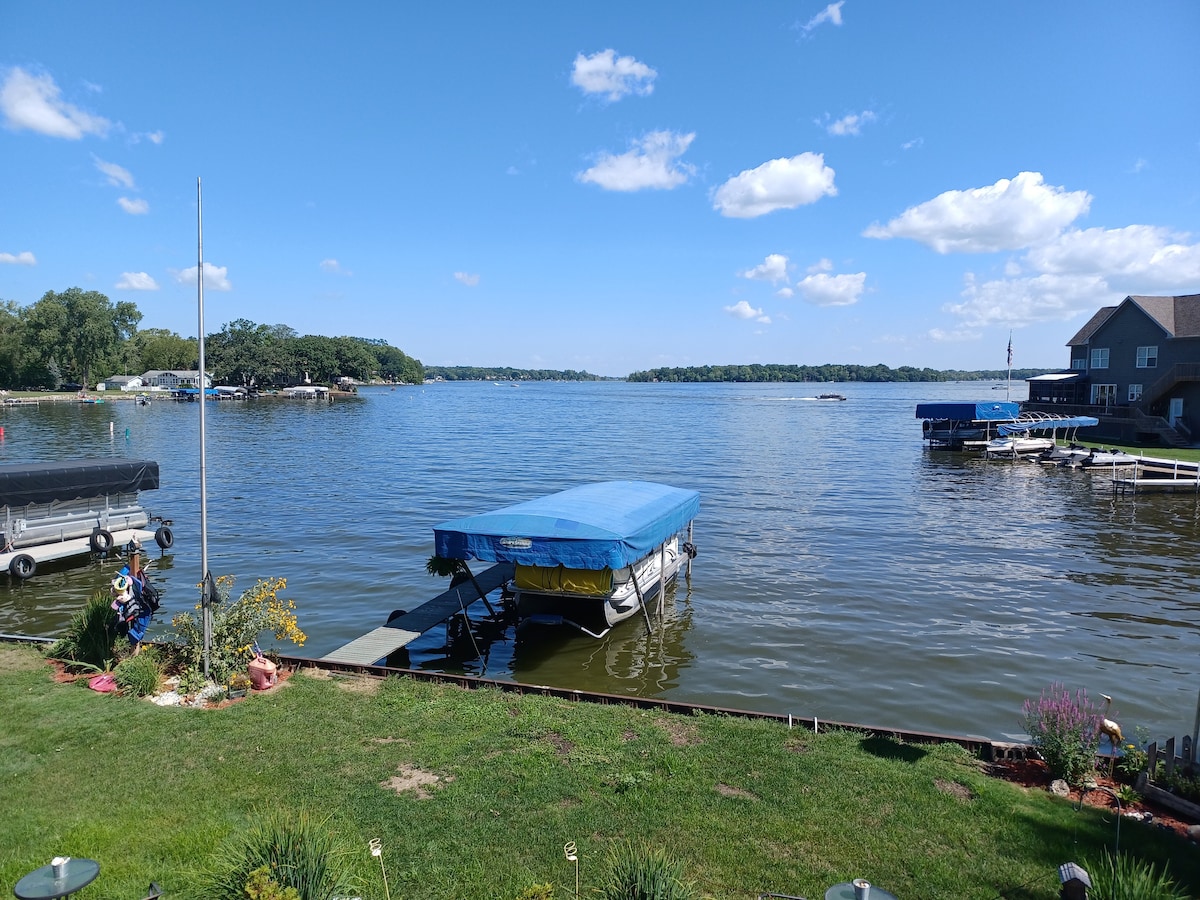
(1032, 774)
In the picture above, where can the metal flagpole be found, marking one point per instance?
(206, 597)
(1008, 384)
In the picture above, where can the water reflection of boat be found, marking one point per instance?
(588, 557)
(633, 660)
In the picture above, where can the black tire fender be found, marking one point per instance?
(101, 541)
(22, 566)
(164, 537)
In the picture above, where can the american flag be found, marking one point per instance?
(1010, 351)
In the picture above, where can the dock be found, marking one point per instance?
(378, 643)
(30, 557)
(1150, 474)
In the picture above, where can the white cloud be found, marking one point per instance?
(785, 292)
(821, 265)
(778, 184)
(1136, 259)
(606, 73)
(332, 265)
(1079, 271)
(117, 176)
(137, 207)
(34, 102)
(652, 163)
(743, 310)
(1008, 215)
(154, 137)
(215, 277)
(957, 336)
(772, 269)
(831, 13)
(850, 124)
(913, 144)
(20, 259)
(466, 278)
(833, 290)
(138, 281)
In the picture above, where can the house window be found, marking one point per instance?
(1079, 362)
(1104, 394)
(1147, 357)
(1135, 393)
(1100, 358)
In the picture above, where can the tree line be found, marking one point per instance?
(828, 372)
(82, 337)
(505, 373)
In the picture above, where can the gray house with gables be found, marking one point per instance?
(1136, 367)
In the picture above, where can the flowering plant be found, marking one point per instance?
(1065, 730)
(237, 624)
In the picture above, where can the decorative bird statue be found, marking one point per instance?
(1108, 726)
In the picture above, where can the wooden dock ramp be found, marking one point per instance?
(375, 645)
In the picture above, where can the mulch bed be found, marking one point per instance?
(1032, 774)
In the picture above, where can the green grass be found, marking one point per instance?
(744, 806)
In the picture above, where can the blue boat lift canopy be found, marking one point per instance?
(1001, 411)
(608, 524)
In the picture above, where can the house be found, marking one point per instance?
(120, 383)
(173, 379)
(1136, 367)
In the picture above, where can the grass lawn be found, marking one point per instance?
(474, 794)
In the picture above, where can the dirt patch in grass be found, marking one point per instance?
(727, 791)
(681, 733)
(359, 684)
(561, 745)
(954, 789)
(417, 781)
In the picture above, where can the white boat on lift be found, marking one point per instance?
(588, 557)
(1017, 438)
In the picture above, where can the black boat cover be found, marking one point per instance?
(22, 483)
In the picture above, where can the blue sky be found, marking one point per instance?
(610, 187)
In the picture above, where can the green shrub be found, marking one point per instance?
(1066, 732)
(1122, 877)
(644, 873)
(1181, 783)
(139, 676)
(261, 886)
(89, 641)
(294, 851)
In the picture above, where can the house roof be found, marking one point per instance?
(1093, 324)
(1178, 316)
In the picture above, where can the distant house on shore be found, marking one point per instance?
(1136, 367)
(121, 383)
(173, 379)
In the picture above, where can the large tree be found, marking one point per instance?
(158, 348)
(80, 330)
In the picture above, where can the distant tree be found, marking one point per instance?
(80, 329)
(157, 348)
(10, 345)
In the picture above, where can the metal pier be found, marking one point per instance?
(375, 645)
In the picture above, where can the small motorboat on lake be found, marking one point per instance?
(588, 557)
(1016, 445)
(831, 396)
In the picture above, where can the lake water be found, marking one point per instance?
(845, 571)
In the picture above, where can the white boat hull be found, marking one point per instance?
(596, 614)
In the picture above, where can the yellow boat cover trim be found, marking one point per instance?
(560, 579)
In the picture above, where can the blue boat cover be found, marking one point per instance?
(970, 412)
(609, 524)
(1048, 424)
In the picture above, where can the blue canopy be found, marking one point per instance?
(970, 412)
(1068, 422)
(609, 524)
